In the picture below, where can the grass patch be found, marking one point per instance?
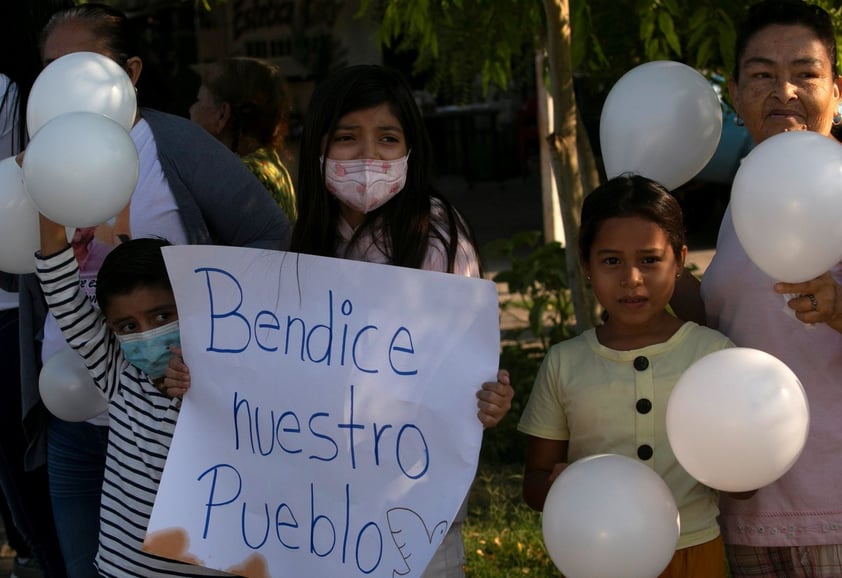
(502, 535)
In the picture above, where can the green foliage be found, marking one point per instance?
(540, 285)
(503, 444)
(208, 5)
(460, 40)
(537, 282)
(834, 8)
(502, 535)
(658, 29)
(711, 31)
(700, 33)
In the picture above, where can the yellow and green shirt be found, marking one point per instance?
(268, 168)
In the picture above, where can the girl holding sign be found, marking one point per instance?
(606, 390)
(366, 193)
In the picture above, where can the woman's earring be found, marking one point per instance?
(837, 119)
(738, 120)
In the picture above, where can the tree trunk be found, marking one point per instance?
(565, 160)
(590, 170)
(553, 226)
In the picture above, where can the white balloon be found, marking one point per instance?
(786, 205)
(81, 81)
(662, 120)
(68, 390)
(607, 516)
(80, 169)
(737, 419)
(19, 232)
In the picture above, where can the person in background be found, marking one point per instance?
(242, 102)
(29, 518)
(606, 390)
(785, 78)
(191, 189)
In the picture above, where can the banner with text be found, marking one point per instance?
(330, 429)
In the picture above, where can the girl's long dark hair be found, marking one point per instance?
(403, 226)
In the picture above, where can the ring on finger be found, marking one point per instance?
(813, 302)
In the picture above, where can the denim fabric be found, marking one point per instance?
(76, 466)
(26, 493)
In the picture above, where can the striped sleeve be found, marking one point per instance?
(82, 324)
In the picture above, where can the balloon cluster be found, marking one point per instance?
(80, 169)
(81, 165)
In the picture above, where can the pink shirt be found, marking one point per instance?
(366, 249)
(804, 507)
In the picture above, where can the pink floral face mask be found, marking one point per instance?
(365, 184)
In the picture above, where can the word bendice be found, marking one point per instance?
(326, 342)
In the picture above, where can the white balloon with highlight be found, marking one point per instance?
(68, 390)
(786, 205)
(661, 120)
(607, 516)
(81, 169)
(19, 229)
(737, 419)
(81, 81)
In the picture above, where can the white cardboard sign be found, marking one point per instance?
(331, 427)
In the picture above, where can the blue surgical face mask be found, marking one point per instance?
(150, 351)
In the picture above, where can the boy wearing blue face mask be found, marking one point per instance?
(126, 347)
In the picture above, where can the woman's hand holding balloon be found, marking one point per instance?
(818, 300)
